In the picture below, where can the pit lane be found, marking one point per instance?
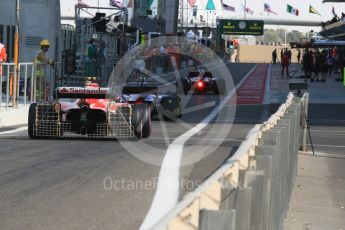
(88, 184)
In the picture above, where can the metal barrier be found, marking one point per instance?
(23, 81)
(252, 189)
(7, 70)
(26, 82)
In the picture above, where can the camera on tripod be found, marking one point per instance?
(299, 87)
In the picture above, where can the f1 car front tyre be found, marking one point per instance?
(32, 120)
(146, 120)
(141, 120)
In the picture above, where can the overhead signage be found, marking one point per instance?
(241, 27)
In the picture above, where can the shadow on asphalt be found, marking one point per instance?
(254, 114)
(319, 114)
(327, 114)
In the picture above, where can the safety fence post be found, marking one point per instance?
(304, 116)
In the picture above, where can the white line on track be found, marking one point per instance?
(14, 130)
(206, 139)
(334, 121)
(176, 130)
(322, 154)
(317, 134)
(227, 120)
(167, 192)
(325, 131)
(329, 146)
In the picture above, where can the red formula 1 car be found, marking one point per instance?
(89, 112)
(203, 82)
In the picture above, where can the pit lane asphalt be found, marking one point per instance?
(65, 184)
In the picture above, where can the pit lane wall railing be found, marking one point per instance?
(25, 80)
(23, 83)
(252, 189)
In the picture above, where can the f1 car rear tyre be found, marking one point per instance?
(32, 120)
(141, 120)
(146, 120)
(136, 116)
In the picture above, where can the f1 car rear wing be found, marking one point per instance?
(131, 89)
(80, 92)
(193, 74)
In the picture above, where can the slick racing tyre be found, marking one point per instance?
(146, 120)
(141, 120)
(32, 120)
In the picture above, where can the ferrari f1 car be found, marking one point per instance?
(89, 112)
(203, 82)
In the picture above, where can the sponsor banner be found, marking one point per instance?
(80, 90)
